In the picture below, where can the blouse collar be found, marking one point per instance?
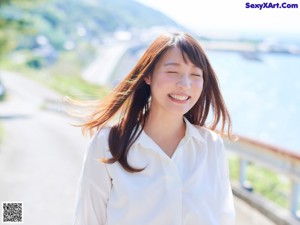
(191, 131)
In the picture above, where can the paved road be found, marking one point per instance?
(101, 70)
(41, 157)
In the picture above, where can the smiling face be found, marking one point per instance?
(176, 84)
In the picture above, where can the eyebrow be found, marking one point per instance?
(171, 64)
(177, 64)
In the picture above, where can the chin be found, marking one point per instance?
(179, 112)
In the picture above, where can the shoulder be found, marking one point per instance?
(99, 143)
(215, 148)
(101, 135)
(209, 136)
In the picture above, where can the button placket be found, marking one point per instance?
(174, 187)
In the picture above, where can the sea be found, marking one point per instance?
(262, 95)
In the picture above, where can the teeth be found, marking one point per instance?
(180, 97)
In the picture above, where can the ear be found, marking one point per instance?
(147, 79)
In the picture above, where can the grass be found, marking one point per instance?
(269, 184)
(64, 76)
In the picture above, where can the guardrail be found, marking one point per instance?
(276, 159)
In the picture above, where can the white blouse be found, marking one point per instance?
(190, 188)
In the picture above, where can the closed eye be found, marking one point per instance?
(196, 75)
(172, 72)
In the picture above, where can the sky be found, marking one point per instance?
(230, 15)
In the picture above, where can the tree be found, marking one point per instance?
(14, 23)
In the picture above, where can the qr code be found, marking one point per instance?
(12, 212)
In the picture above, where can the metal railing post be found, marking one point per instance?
(243, 171)
(243, 175)
(294, 198)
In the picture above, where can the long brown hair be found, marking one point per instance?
(130, 98)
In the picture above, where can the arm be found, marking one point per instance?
(228, 211)
(94, 185)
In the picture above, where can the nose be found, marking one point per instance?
(184, 82)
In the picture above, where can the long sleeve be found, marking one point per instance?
(94, 185)
(228, 211)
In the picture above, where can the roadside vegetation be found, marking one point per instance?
(265, 182)
(65, 77)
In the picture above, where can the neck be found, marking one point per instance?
(164, 126)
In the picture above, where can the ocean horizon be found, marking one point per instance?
(262, 94)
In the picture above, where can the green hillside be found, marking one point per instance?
(60, 21)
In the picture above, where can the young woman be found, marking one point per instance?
(160, 163)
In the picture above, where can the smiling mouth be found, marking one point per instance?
(179, 97)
